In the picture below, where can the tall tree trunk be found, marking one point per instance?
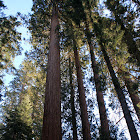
(132, 91)
(52, 109)
(131, 87)
(105, 134)
(119, 91)
(127, 115)
(82, 100)
(74, 128)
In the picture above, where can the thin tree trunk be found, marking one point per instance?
(125, 75)
(74, 128)
(105, 134)
(121, 97)
(82, 100)
(132, 92)
(52, 110)
(127, 115)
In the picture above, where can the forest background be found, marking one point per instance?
(88, 34)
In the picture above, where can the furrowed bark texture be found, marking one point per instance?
(105, 134)
(121, 97)
(74, 128)
(82, 100)
(52, 110)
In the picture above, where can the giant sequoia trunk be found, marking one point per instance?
(74, 128)
(121, 97)
(82, 100)
(105, 134)
(52, 111)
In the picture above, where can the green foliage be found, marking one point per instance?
(25, 110)
(14, 128)
(9, 43)
(24, 98)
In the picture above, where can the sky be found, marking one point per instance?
(24, 7)
(14, 6)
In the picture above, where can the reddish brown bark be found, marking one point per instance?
(52, 110)
(105, 134)
(82, 100)
(74, 128)
(119, 91)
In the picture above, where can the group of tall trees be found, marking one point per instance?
(77, 51)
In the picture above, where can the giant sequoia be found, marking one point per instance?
(52, 116)
(106, 55)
